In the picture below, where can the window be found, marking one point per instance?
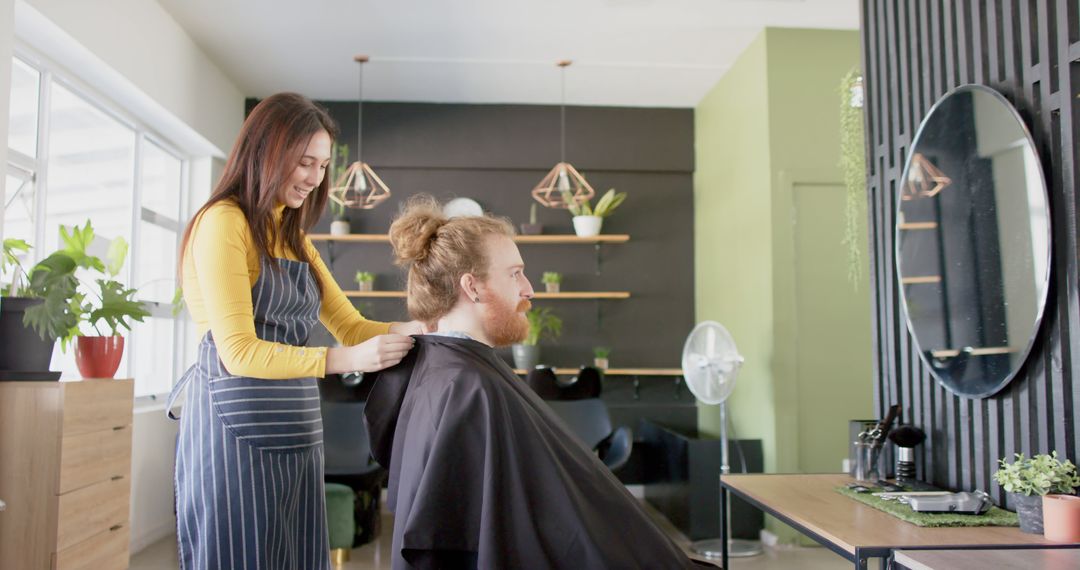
(23, 118)
(73, 158)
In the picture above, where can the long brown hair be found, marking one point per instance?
(437, 251)
(271, 144)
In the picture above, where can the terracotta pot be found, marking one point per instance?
(1061, 518)
(98, 356)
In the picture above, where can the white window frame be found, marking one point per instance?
(37, 169)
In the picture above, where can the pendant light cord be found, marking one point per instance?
(360, 117)
(562, 115)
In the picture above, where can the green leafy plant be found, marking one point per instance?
(543, 323)
(9, 260)
(364, 277)
(1038, 475)
(601, 352)
(551, 277)
(853, 170)
(72, 305)
(604, 207)
(339, 165)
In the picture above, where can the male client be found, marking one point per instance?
(482, 474)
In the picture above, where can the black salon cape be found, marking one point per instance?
(483, 474)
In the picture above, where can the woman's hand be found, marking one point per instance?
(409, 328)
(376, 353)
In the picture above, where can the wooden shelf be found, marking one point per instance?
(986, 351)
(919, 226)
(584, 295)
(620, 371)
(921, 280)
(564, 295)
(541, 239)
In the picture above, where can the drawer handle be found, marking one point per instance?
(118, 428)
(116, 477)
(115, 527)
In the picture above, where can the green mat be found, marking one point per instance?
(994, 517)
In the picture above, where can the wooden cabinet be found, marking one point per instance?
(65, 474)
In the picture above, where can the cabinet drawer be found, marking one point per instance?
(96, 405)
(93, 457)
(92, 510)
(104, 551)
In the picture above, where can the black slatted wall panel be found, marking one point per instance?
(913, 53)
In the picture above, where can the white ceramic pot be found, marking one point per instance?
(551, 287)
(340, 228)
(587, 226)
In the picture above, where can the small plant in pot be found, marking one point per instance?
(588, 220)
(76, 310)
(543, 323)
(1028, 480)
(340, 225)
(23, 354)
(532, 228)
(600, 357)
(365, 280)
(551, 280)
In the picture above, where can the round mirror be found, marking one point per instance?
(973, 241)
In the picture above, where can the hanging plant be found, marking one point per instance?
(852, 168)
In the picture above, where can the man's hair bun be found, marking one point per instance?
(413, 232)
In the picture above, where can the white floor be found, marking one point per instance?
(374, 556)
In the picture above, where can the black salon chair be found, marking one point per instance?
(577, 402)
(586, 384)
(347, 449)
(588, 419)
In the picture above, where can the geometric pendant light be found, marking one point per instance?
(924, 180)
(563, 178)
(359, 187)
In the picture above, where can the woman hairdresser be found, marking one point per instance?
(249, 457)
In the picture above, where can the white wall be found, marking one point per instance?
(141, 41)
(7, 12)
(153, 441)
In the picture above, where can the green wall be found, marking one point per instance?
(768, 204)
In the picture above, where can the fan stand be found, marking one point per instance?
(737, 547)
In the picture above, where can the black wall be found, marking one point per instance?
(913, 53)
(496, 154)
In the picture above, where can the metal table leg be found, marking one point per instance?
(723, 527)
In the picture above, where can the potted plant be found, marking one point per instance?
(543, 323)
(588, 220)
(551, 281)
(23, 352)
(600, 357)
(532, 228)
(340, 225)
(72, 306)
(1027, 480)
(365, 280)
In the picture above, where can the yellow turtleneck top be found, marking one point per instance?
(221, 265)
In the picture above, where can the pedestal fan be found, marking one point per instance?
(710, 364)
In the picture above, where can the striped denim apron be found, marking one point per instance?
(249, 455)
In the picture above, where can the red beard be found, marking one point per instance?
(505, 325)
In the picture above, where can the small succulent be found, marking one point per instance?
(1038, 475)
